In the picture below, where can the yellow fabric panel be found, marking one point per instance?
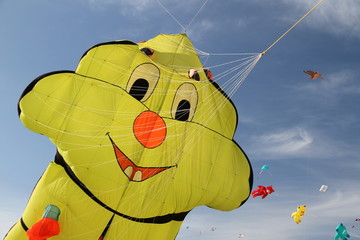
(175, 51)
(125, 229)
(90, 114)
(111, 62)
(79, 216)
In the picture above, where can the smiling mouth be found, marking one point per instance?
(131, 170)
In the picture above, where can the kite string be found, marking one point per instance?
(176, 20)
(171, 15)
(302, 18)
(188, 26)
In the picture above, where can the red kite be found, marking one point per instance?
(313, 74)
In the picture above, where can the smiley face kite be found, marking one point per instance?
(142, 137)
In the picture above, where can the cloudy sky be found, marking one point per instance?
(307, 131)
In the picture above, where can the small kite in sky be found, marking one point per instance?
(264, 168)
(241, 235)
(313, 74)
(299, 214)
(323, 188)
(341, 232)
(262, 191)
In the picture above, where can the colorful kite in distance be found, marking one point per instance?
(263, 168)
(314, 74)
(299, 214)
(341, 232)
(262, 191)
(241, 235)
(323, 188)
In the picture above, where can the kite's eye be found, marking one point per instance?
(143, 81)
(185, 102)
(139, 89)
(147, 51)
(183, 110)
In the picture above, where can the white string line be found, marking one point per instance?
(242, 75)
(234, 86)
(188, 26)
(189, 48)
(172, 16)
(202, 53)
(234, 61)
(294, 25)
(184, 29)
(231, 71)
(227, 54)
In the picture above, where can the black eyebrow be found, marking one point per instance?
(124, 42)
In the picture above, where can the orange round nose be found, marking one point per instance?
(149, 129)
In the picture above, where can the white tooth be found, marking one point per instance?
(128, 171)
(138, 176)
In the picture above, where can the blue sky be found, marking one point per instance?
(307, 131)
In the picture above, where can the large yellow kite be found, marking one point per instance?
(143, 136)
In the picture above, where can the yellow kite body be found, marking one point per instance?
(300, 211)
(139, 143)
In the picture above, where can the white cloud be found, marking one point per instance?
(338, 203)
(146, 7)
(338, 17)
(7, 220)
(301, 142)
(283, 143)
(10, 211)
(198, 30)
(132, 7)
(180, 13)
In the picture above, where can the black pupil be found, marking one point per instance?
(139, 88)
(183, 111)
